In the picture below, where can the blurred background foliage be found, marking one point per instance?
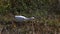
(46, 12)
(38, 8)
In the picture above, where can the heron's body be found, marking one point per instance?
(22, 18)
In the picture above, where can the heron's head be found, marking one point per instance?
(32, 18)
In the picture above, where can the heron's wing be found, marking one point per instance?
(19, 19)
(20, 16)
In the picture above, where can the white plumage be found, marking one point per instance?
(23, 18)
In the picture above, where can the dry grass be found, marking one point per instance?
(42, 25)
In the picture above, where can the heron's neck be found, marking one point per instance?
(28, 18)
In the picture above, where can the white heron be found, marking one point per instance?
(23, 18)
